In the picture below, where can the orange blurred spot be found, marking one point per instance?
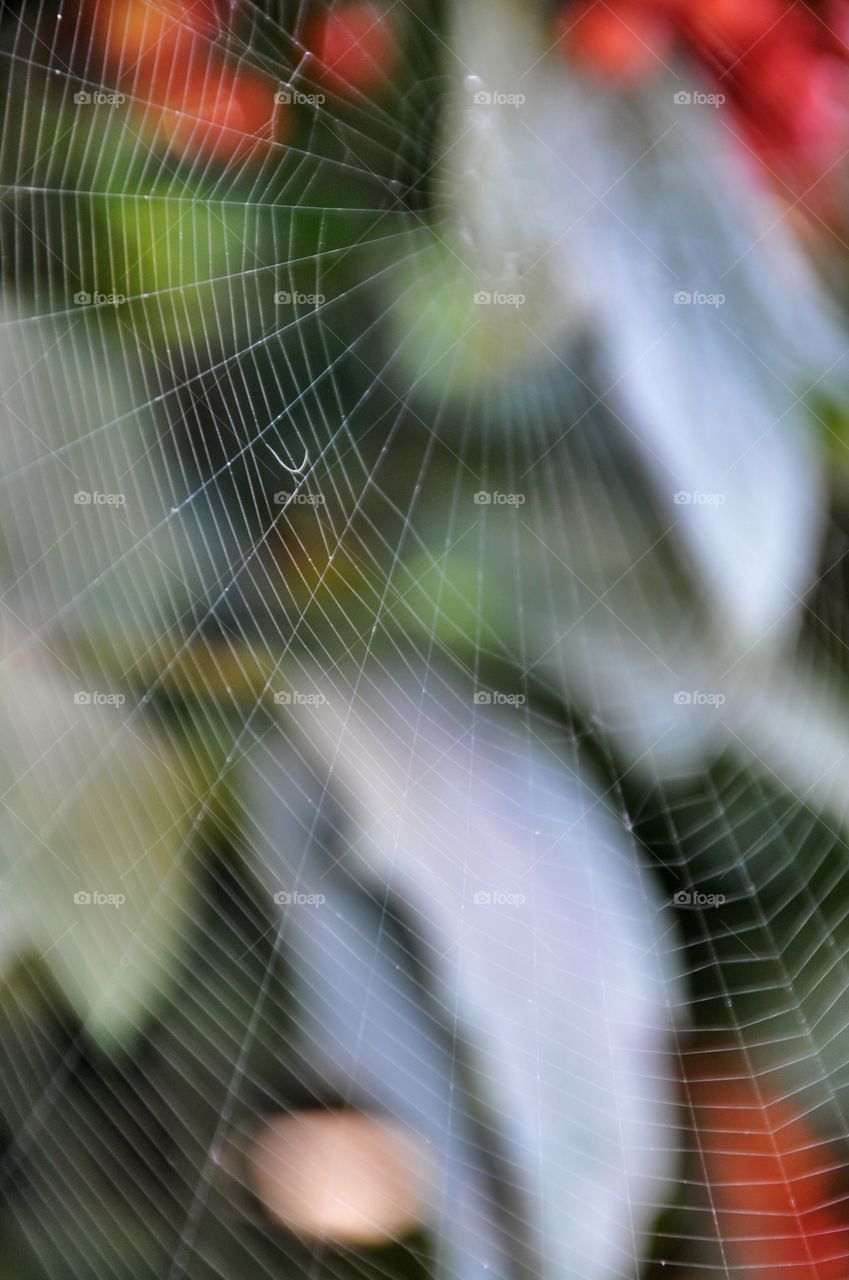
(164, 56)
(222, 114)
(771, 1179)
(132, 33)
(354, 44)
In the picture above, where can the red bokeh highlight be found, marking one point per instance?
(165, 58)
(354, 45)
(782, 67)
(622, 44)
(771, 1176)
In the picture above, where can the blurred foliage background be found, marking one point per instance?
(424, 448)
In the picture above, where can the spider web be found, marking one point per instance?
(242, 355)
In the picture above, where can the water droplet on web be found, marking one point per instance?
(473, 83)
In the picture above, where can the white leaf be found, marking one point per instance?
(363, 1032)
(547, 947)
(598, 210)
(690, 296)
(86, 527)
(96, 818)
